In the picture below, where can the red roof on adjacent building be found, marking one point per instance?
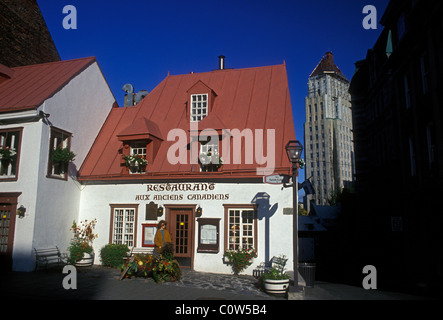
(252, 98)
(27, 87)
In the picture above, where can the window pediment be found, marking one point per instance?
(140, 129)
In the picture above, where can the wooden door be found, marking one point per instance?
(7, 224)
(181, 227)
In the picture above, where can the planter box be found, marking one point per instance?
(276, 286)
(86, 261)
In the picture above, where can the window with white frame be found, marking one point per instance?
(209, 154)
(138, 149)
(9, 153)
(123, 225)
(241, 228)
(199, 106)
(59, 139)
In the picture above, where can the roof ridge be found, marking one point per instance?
(92, 58)
(228, 69)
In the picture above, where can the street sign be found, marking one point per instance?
(276, 179)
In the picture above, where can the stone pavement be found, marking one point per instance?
(100, 283)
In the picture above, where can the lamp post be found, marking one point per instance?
(294, 150)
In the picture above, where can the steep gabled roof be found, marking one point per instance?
(252, 98)
(28, 87)
(327, 65)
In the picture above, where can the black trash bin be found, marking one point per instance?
(307, 271)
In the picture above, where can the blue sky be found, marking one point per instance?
(140, 41)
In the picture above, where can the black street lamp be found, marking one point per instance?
(294, 150)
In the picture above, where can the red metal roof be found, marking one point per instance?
(29, 86)
(252, 98)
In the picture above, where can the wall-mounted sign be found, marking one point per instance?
(276, 179)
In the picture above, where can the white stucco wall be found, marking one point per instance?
(274, 228)
(27, 184)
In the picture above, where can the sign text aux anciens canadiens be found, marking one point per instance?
(198, 191)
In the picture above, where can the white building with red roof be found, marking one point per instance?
(193, 152)
(241, 119)
(42, 107)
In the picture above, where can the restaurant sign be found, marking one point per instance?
(199, 191)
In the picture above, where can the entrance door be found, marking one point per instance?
(181, 227)
(7, 222)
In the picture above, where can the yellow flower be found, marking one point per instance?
(140, 263)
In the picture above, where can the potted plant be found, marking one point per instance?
(209, 159)
(60, 158)
(7, 153)
(240, 259)
(81, 252)
(164, 268)
(276, 280)
(136, 162)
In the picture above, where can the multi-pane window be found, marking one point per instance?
(123, 231)
(241, 228)
(209, 155)
(60, 139)
(199, 106)
(9, 153)
(138, 149)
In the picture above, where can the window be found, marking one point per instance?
(199, 106)
(60, 139)
(401, 26)
(241, 227)
(424, 74)
(412, 157)
(430, 145)
(209, 155)
(138, 148)
(123, 222)
(9, 153)
(407, 92)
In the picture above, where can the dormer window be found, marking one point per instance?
(210, 160)
(199, 106)
(138, 153)
(200, 101)
(141, 141)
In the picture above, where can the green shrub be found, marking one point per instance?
(112, 254)
(77, 249)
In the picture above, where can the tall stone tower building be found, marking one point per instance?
(329, 149)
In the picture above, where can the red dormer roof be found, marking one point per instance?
(327, 65)
(252, 98)
(27, 87)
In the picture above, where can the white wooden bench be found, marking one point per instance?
(130, 256)
(49, 257)
(140, 250)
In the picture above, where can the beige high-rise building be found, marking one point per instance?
(329, 148)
